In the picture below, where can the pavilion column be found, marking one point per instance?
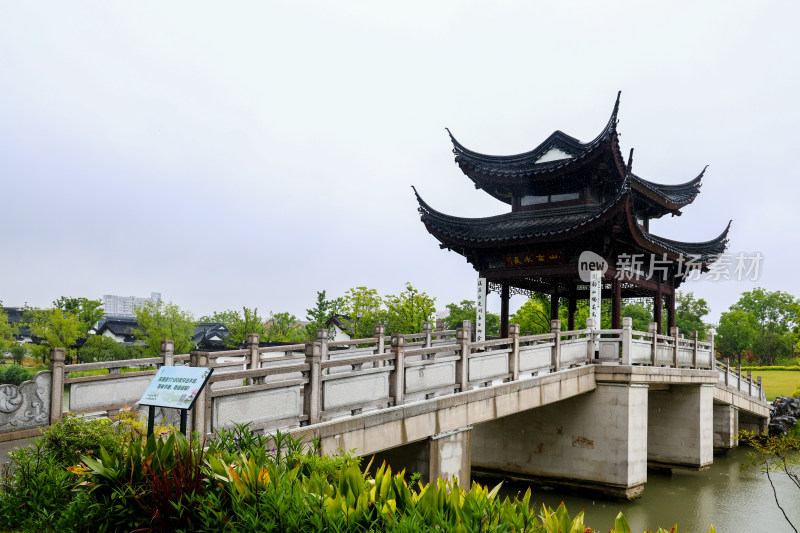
(616, 304)
(671, 311)
(504, 297)
(554, 306)
(657, 300)
(572, 304)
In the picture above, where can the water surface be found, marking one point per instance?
(733, 500)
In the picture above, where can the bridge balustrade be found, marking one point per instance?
(291, 385)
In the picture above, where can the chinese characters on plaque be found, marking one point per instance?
(596, 300)
(480, 309)
(552, 257)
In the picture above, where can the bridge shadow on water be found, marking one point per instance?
(732, 499)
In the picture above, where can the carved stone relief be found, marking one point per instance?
(26, 405)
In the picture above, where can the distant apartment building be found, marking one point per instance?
(120, 306)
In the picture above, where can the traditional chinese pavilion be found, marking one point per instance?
(568, 197)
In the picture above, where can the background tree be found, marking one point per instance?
(158, 321)
(89, 312)
(406, 312)
(641, 314)
(283, 327)
(244, 324)
(689, 313)
(465, 310)
(363, 308)
(98, 348)
(534, 315)
(221, 317)
(7, 332)
(776, 314)
(56, 328)
(18, 353)
(323, 310)
(737, 331)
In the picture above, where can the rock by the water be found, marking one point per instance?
(784, 413)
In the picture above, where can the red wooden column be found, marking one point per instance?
(554, 307)
(657, 308)
(572, 304)
(616, 304)
(504, 297)
(671, 311)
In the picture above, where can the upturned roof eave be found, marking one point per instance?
(492, 168)
(450, 240)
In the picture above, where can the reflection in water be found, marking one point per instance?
(733, 500)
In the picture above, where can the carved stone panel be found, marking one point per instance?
(27, 405)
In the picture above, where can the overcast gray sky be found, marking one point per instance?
(253, 153)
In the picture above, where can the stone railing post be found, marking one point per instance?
(380, 348)
(676, 344)
(380, 334)
(167, 353)
(312, 391)
(727, 371)
(749, 382)
(627, 339)
(590, 351)
(57, 357)
(555, 357)
(652, 327)
(201, 411)
(462, 365)
(255, 359)
(322, 339)
(426, 329)
(441, 323)
(397, 380)
(739, 376)
(469, 326)
(710, 340)
(760, 387)
(695, 341)
(513, 356)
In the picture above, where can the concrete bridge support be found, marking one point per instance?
(752, 423)
(726, 427)
(680, 430)
(441, 456)
(596, 441)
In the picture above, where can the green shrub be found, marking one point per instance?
(794, 368)
(241, 482)
(34, 489)
(74, 436)
(796, 394)
(14, 375)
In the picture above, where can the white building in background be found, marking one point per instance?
(125, 305)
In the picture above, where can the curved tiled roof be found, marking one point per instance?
(520, 226)
(514, 226)
(524, 165)
(672, 197)
(707, 251)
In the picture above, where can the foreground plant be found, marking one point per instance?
(775, 454)
(246, 482)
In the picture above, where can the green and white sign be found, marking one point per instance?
(176, 386)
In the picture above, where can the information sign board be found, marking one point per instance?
(176, 386)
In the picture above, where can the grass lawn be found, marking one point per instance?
(778, 382)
